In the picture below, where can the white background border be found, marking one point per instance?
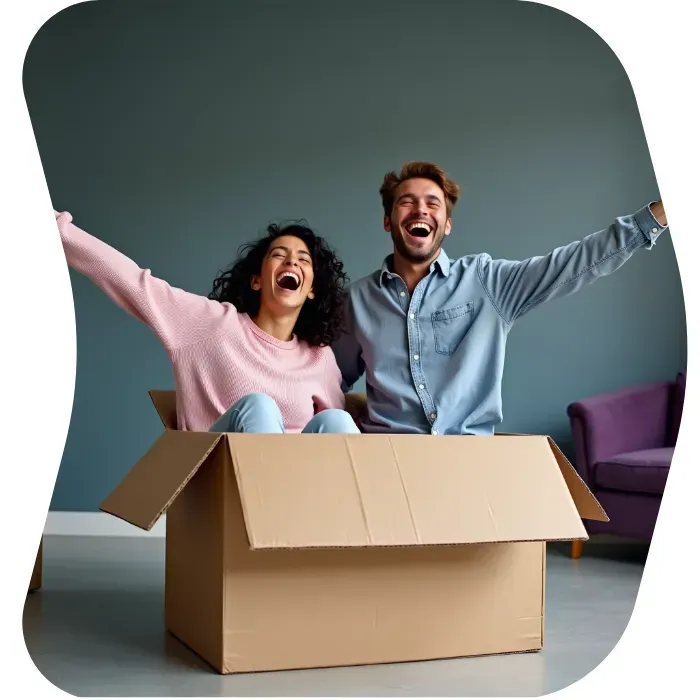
(657, 44)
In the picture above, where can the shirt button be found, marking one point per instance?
(420, 386)
(434, 432)
(432, 416)
(415, 357)
(655, 230)
(412, 315)
(402, 294)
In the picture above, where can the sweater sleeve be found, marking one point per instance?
(178, 318)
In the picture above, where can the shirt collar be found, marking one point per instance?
(442, 262)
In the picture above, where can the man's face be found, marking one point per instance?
(418, 223)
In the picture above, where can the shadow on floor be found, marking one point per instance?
(99, 625)
(96, 628)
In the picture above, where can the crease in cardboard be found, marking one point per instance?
(363, 510)
(419, 539)
(494, 522)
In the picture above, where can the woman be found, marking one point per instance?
(255, 355)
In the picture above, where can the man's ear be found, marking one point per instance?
(387, 224)
(448, 226)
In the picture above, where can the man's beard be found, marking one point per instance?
(415, 256)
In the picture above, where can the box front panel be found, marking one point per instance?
(316, 608)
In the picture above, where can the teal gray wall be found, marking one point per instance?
(177, 130)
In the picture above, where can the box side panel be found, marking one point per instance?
(194, 561)
(340, 607)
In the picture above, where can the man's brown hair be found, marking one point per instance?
(412, 169)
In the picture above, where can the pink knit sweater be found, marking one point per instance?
(218, 355)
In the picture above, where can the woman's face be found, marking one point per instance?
(287, 275)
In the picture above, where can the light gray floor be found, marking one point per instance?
(95, 629)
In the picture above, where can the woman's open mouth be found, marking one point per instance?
(289, 281)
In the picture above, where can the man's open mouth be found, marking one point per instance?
(289, 281)
(419, 229)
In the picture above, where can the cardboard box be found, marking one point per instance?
(35, 581)
(299, 551)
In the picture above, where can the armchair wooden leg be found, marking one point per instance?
(576, 549)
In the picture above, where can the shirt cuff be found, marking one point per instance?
(648, 225)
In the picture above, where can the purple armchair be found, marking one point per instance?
(624, 444)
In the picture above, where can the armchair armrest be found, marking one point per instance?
(631, 419)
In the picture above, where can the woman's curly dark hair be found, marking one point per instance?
(321, 319)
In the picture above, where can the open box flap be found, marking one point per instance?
(325, 490)
(157, 478)
(165, 402)
(586, 503)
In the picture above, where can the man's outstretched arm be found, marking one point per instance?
(516, 287)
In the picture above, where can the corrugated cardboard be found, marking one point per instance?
(297, 551)
(35, 581)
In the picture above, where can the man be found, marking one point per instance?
(430, 332)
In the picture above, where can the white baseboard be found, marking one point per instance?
(98, 524)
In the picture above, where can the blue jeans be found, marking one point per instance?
(258, 413)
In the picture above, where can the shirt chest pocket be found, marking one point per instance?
(450, 326)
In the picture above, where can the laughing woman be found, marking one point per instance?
(254, 356)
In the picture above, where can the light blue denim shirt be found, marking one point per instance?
(434, 359)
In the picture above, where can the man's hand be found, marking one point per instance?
(657, 209)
